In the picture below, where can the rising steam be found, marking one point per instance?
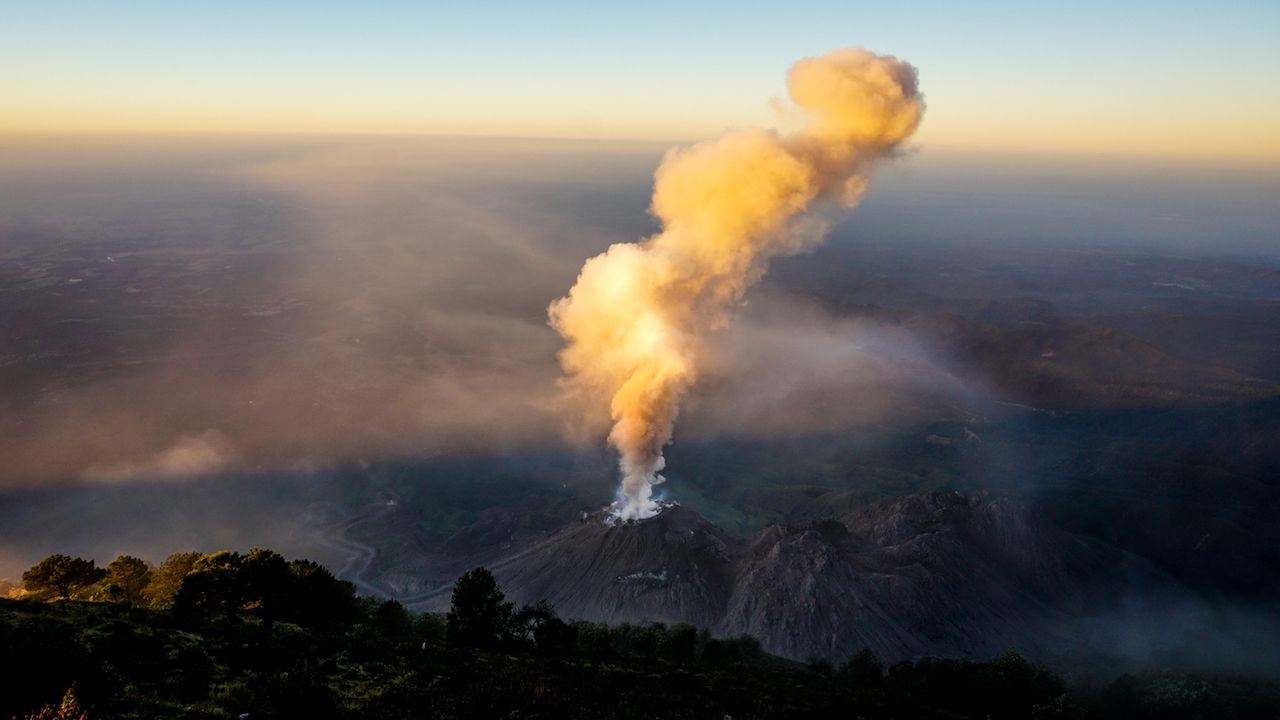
(636, 319)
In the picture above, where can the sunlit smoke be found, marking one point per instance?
(635, 321)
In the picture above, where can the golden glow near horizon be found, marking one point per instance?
(1194, 83)
(1190, 138)
(1011, 128)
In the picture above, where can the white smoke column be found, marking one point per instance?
(635, 321)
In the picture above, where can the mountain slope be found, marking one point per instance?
(929, 574)
(675, 567)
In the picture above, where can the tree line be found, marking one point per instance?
(230, 634)
(203, 587)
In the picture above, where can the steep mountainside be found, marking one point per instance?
(929, 574)
(675, 567)
(934, 574)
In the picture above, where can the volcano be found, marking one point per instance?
(673, 567)
(939, 574)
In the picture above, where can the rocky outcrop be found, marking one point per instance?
(932, 574)
(929, 574)
(675, 567)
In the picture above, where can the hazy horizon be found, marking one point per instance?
(402, 242)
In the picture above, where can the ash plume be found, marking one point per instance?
(636, 320)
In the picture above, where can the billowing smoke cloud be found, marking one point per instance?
(637, 318)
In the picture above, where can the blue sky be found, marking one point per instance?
(1154, 78)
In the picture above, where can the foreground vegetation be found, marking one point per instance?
(224, 635)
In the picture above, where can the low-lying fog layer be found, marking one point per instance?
(178, 315)
(187, 307)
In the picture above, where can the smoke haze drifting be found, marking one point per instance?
(187, 307)
(637, 319)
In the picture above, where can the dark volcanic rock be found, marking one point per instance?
(930, 574)
(675, 567)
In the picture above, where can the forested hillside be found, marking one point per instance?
(225, 634)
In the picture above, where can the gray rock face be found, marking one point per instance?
(675, 567)
(929, 574)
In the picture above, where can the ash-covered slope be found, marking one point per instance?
(674, 567)
(935, 574)
(930, 574)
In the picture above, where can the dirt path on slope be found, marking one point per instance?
(330, 532)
